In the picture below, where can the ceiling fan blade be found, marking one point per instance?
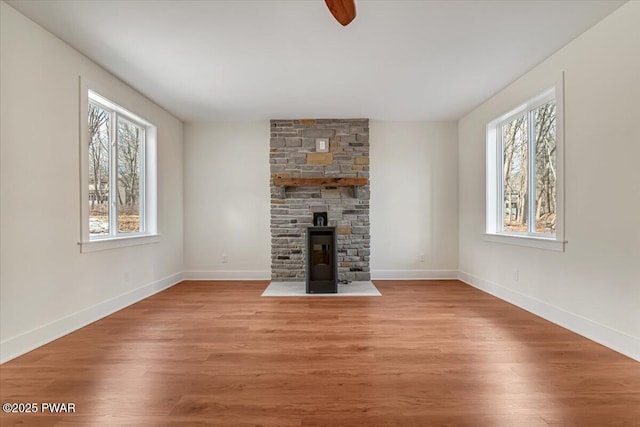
(343, 10)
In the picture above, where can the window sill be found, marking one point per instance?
(527, 241)
(118, 242)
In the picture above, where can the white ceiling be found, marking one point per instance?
(254, 60)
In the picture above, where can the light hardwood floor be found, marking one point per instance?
(425, 353)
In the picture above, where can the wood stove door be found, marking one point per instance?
(321, 260)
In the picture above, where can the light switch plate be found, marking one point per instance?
(322, 145)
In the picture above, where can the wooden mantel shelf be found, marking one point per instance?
(319, 182)
(286, 181)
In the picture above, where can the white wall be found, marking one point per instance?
(226, 200)
(414, 205)
(413, 200)
(48, 288)
(594, 286)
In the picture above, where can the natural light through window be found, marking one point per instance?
(524, 194)
(119, 165)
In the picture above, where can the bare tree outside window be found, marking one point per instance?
(545, 133)
(116, 159)
(130, 140)
(515, 157)
(118, 169)
(98, 170)
(516, 147)
(525, 174)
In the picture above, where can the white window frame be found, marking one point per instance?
(494, 175)
(90, 92)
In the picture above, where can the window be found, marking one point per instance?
(118, 175)
(524, 173)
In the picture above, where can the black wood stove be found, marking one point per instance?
(322, 260)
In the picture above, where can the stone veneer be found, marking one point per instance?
(293, 154)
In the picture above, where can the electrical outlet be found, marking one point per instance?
(516, 275)
(421, 257)
(126, 276)
(225, 258)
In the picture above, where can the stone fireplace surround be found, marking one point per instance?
(293, 155)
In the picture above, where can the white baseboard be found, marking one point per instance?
(30, 340)
(615, 340)
(227, 275)
(413, 274)
(611, 338)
